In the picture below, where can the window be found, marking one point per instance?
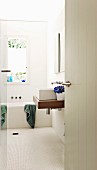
(17, 59)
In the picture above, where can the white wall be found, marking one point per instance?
(3, 61)
(33, 10)
(36, 33)
(53, 27)
(58, 122)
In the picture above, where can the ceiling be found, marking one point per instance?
(34, 10)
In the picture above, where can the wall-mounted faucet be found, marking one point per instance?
(57, 82)
(67, 83)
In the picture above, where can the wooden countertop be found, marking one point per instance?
(45, 104)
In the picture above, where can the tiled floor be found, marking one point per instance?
(34, 149)
(3, 149)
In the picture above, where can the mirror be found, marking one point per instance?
(60, 42)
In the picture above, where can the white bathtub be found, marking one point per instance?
(16, 117)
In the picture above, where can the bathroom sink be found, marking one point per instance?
(45, 94)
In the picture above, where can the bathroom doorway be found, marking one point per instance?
(45, 142)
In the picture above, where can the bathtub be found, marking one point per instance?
(16, 117)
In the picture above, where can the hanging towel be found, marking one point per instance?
(3, 112)
(30, 110)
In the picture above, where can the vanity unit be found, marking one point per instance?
(48, 104)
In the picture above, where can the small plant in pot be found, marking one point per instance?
(59, 90)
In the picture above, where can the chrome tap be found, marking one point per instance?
(57, 82)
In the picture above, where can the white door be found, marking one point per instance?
(81, 96)
(3, 97)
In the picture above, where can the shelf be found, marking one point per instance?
(48, 104)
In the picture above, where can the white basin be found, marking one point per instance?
(45, 94)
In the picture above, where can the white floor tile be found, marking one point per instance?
(34, 149)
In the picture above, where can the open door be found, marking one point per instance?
(81, 96)
(3, 96)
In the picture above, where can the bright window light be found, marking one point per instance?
(17, 60)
